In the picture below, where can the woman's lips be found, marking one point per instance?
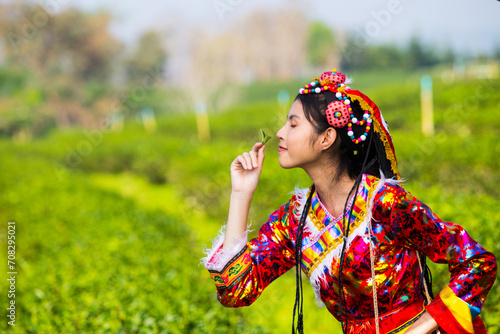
(282, 149)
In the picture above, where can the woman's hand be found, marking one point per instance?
(425, 324)
(245, 173)
(246, 169)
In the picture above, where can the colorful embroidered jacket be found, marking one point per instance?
(400, 224)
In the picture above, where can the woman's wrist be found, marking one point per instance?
(241, 199)
(425, 324)
(241, 194)
(239, 207)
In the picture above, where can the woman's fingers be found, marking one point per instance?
(252, 159)
(248, 160)
(257, 147)
(261, 155)
(253, 156)
(240, 160)
(257, 154)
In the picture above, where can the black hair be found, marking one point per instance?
(347, 156)
(350, 158)
(366, 157)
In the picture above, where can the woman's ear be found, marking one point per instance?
(328, 138)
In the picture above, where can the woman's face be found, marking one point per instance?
(298, 146)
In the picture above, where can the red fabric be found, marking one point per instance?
(388, 322)
(445, 319)
(479, 327)
(401, 225)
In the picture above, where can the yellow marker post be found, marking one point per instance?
(427, 105)
(148, 120)
(200, 109)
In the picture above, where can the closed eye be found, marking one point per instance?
(292, 118)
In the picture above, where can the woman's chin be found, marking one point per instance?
(284, 164)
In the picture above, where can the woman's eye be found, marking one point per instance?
(292, 125)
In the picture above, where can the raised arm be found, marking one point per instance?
(242, 269)
(245, 173)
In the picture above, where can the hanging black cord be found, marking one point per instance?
(341, 264)
(346, 230)
(427, 275)
(299, 296)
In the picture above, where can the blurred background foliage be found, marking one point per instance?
(63, 69)
(113, 191)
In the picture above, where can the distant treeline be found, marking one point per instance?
(61, 67)
(356, 52)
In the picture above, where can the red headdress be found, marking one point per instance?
(340, 115)
(358, 121)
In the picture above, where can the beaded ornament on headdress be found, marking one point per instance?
(339, 113)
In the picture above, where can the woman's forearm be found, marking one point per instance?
(425, 324)
(239, 206)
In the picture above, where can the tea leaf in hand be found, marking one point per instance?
(265, 137)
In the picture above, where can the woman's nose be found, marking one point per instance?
(279, 133)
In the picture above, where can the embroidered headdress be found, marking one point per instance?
(360, 125)
(357, 127)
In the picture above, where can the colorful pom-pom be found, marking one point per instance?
(337, 114)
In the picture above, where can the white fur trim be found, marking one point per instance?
(301, 194)
(381, 183)
(384, 123)
(348, 80)
(216, 259)
(317, 276)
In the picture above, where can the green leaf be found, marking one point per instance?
(265, 137)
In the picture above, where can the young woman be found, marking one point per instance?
(356, 233)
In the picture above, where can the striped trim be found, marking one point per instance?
(235, 269)
(329, 238)
(322, 246)
(458, 308)
(394, 322)
(451, 313)
(401, 329)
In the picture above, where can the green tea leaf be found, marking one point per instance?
(265, 137)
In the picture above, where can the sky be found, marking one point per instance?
(470, 26)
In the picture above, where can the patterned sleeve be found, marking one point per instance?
(241, 274)
(472, 268)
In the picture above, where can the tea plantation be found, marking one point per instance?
(110, 224)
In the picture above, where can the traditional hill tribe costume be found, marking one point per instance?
(377, 259)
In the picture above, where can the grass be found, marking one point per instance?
(110, 224)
